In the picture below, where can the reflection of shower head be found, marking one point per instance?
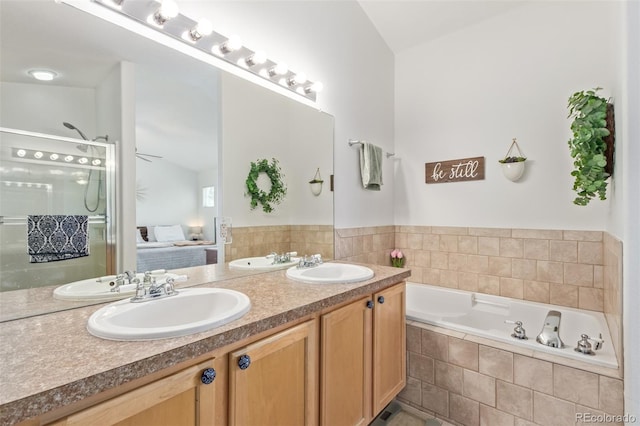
(72, 127)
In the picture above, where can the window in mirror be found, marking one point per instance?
(208, 196)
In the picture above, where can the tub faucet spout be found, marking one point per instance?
(550, 334)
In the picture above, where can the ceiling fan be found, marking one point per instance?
(142, 156)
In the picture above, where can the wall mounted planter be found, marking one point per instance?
(513, 165)
(316, 184)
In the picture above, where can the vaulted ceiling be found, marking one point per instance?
(406, 23)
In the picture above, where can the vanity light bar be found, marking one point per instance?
(56, 157)
(37, 185)
(229, 49)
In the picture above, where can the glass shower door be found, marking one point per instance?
(51, 178)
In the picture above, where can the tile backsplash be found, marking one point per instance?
(253, 241)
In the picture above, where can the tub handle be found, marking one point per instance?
(597, 342)
(518, 331)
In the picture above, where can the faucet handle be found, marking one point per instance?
(518, 331)
(597, 342)
(584, 346)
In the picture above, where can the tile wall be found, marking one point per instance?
(470, 381)
(549, 266)
(365, 245)
(253, 241)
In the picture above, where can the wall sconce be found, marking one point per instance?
(316, 183)
(167, 20)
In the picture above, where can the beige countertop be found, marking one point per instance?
(17, 304)
(49, 361)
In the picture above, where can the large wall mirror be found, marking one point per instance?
(183, 134)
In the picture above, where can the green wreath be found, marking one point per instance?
(278, 189)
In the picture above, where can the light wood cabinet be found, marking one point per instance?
(345, 389)
(389, 345)
(179, 399)
(274, 380)
(363, 362)
(338, 368)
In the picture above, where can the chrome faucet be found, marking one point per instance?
(155, 291)
(550, 334)
(120, 281)
(130, 276)
(309, 261)
(279, 258)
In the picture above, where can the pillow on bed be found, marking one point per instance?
(139, 238)
(151, 234)
(169, 233)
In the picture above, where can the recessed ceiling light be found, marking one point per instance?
(43, 75)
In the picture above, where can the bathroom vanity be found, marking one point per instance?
(304, 354)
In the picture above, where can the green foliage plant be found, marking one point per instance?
(278, 189)
(588, 146)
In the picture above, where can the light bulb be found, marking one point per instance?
(83, 160)
(96, 162)
(54, 157)
(279, 69)
(299, 78)
(257, 58)
(202, 29)
(168, 9)
(314, 88)
(38, 155)
(21, 153)
(68, 158)
(233, 43)
(43, 75)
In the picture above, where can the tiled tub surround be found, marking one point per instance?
(486, 316)
(253, 241)
(50, 361)
(577, 269)
(472, 381)
(613, 290)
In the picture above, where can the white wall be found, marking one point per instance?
(167, 195)
(259, 124)
(469, 93)
(41, 108)
(333, 42)
(631, 246)
(207, 215)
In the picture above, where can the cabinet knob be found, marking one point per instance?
(208, 376)
(380, 299)
(244, 362)
(370, 304)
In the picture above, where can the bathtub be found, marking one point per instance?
(484, 315)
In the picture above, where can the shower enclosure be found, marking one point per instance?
(43, 174)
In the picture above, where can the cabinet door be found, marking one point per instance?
(389, 345)
(273, 381)
(345, 370)
(180, 399)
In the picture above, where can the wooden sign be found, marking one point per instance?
(455, 170)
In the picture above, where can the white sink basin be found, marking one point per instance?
(330, 273)
(93, 290)
(260, 264)
(192, 310)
